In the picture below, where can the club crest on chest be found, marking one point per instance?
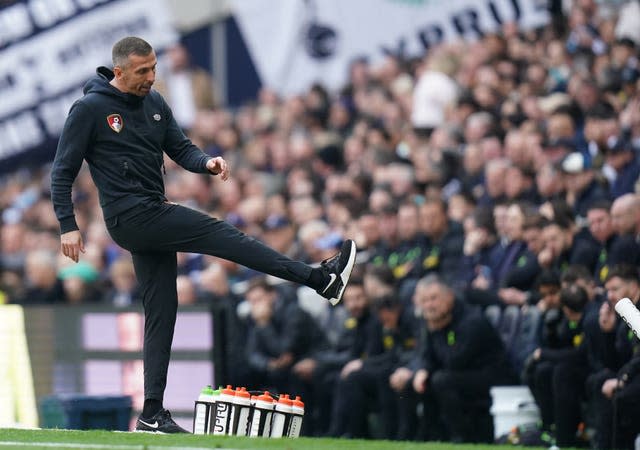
(115, 122)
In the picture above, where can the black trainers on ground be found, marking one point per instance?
(160, 423)
(338, 269)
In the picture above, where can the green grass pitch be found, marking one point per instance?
(96, 440)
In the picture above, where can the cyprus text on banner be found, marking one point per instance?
(294, 43)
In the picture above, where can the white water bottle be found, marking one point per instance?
(223, 411)
(261, 415)
(297, 413)
(281, 417)
(203, 409)
(240, 413)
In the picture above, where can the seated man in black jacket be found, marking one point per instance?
(280, 335)
(348, 334)
(557, 370)
(363, 385)
(461, 358)
(615, 388)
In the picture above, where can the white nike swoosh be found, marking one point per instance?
(333, 278)
(150, 425)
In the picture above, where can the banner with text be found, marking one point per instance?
(297, 42)
(48, 50)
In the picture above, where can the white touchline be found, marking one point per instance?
(159, 447)
(70, 445)
(98, 446)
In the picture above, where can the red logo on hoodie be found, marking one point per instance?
(115, 122)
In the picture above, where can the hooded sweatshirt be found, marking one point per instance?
(122, 137)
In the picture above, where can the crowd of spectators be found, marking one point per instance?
(501, 172)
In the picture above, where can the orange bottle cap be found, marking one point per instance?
(266, 397)
(228, 390)
(242, 392)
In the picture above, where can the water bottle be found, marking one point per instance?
(203, 409)
(297, 413)
(240, 412)
(261, 415)
(281, 417)
(212, 415)
(223, 411)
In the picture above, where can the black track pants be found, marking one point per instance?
(153, 233)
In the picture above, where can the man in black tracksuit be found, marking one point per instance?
(121, 128)
(460, 358)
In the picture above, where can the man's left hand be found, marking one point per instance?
(218, 166)
(609, 387)
(304, 368)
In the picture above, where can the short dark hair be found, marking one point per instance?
(574, 297)
(382, 273)
(562, 211)
(627, 272)
(564, 222)
(260, 282)
(534, 221)
(576, 272)
(603, 205)
(386, 302)
(547, 277)
(131, 45)
(483, 218)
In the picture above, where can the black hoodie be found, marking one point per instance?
(124, 156)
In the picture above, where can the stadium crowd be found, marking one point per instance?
(485, 177)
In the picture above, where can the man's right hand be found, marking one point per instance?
(72, 245)
(399, 378)
(609, 387)
(350, 367)
(218, 166)
(304, 368)
(420, 381)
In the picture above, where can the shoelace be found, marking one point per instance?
(330, 261)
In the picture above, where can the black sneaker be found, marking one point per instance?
(338, 268)
(160, 423)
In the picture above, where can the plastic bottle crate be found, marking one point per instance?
(86, 412)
